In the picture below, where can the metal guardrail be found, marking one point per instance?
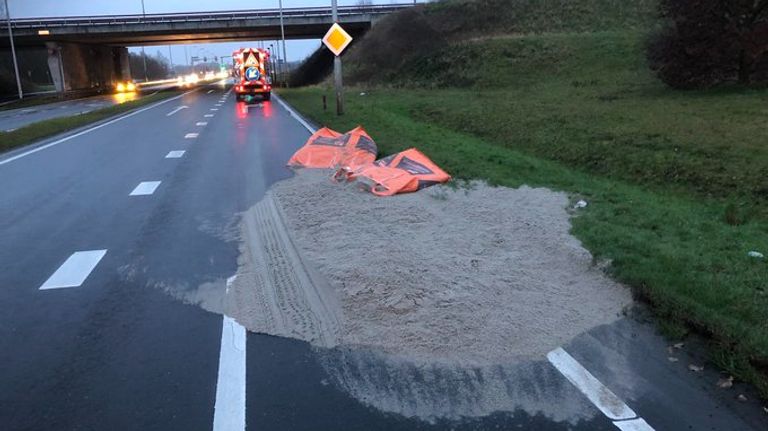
(50, 23)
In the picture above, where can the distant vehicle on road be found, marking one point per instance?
(251, 72)
(125, 87)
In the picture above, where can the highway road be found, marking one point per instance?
(12, 119)
(98, 226)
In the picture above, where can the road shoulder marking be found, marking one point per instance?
(601, 397)
(229, 409)
(633, 425)
(294, 114)
(145, 188)
(179, 108)
(74, 271)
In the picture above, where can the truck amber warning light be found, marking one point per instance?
(337, 39)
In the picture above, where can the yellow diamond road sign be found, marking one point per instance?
(337, 39)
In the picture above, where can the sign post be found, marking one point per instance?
(337, 40)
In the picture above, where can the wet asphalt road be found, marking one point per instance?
(120, 353)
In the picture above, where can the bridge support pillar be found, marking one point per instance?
(77, 66)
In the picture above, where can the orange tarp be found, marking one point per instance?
(407, 171)
(330, 149)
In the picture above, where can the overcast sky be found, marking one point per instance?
(297, 49)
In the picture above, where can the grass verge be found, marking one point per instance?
(43, 129)
(676, 250)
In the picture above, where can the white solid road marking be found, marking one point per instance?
(191, 135)
(175, 154)
(65, 139)
(294, 114)
(176, 110)
(201, 123)
(208, 115)
(600, 396)
(145, 188)
(633, 425)
(74, 271)
(229, 410)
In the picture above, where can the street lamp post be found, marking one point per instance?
(282, 35)
(170, 59)
(13, 50)
(143, 54)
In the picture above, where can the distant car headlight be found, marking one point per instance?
(120, 87)
(130, 86)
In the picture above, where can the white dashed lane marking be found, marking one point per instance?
(208, 115)
(175, 154)
(145, 188)
(191, 135)
(201, 123)
(214, 109)
(74, 271)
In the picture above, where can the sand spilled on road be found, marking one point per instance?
(467, 277)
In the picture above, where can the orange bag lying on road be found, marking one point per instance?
(330, 149)
(404, 172)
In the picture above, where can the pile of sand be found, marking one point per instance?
(467, 277)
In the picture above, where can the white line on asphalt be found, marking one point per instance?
(145, 188)
(175, 154)
(208, 115)
(67, 138)
(191, 135)
(176, 110)
(602, 397)
(294, 114)
(633, 425)
(214, 109)
(229, 409)
(201, 123)
(218, 104)
(210, 91)
(74, 271)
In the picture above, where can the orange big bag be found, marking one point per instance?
(407, 171)
(327, 148)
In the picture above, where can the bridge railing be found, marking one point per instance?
(46, 23)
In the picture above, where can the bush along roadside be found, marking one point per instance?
(676, 251)
(43, 129)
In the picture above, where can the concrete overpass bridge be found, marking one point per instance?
(91, 51)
